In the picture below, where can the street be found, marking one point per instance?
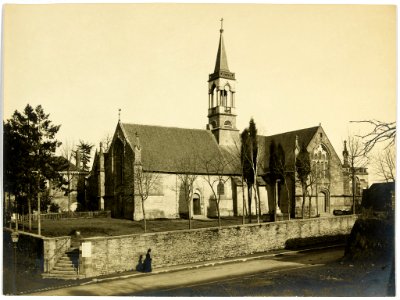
(308, 273)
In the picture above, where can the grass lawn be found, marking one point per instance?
(113, 227)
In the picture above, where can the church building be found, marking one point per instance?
(211, 157)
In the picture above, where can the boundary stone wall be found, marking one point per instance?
(35, 252)
(105, 255)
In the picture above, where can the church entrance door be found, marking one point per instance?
(196, 205)
(322, 202)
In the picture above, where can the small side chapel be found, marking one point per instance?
(170, 152)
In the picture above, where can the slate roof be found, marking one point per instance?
(172, 149)
(176, 150)
(288, 142)
(60, 164)
(221, 63)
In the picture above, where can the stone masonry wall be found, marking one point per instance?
(333, 186)
(36, 252)
(117, 254)
(53, 249)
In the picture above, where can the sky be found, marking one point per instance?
(296, 65)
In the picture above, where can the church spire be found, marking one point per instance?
(221, 63)
(221, 98)
(221, 69)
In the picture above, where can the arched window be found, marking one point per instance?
(358, 187)
(227, 124)
(119, 161)
(214, 124)
(320, 161)
(227, 96)
(221, 188)
(214, 100)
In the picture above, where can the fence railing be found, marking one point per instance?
(57, 254)
(67, 215)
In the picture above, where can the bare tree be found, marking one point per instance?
(380, 132)
(257, 165)
(106, 141)
(303, 169)
(251, 160)
(237, 164)
(215, 167)
(187, 177)
(144, 184)
(312, 182)
(68, 153)
(278, 172)
(286, 174)
(385, 164)
(320, 176)
(356, 159)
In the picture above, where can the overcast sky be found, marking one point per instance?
(296, 65)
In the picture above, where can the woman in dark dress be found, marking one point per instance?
(147, 262)
(139, 266)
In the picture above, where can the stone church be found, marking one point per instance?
(170, 152)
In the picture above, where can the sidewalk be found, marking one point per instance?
(167, 269)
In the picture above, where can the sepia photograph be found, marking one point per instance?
(199, 150)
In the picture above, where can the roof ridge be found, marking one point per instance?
(162, 126)
(292, 131)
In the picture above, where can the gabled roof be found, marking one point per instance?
(288, 142)
(179, 150)
(61, 164)
(172, 149)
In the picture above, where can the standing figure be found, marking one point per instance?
(147, 262)
(139, 266)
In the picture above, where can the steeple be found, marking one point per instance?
(221, 63)
(221, 98)
(221, 69)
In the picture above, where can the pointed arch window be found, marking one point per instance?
(221, 188)
(119, 162)
(320, 162)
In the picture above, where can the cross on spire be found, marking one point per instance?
(222, 62)
(119, 114)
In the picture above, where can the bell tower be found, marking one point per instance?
(221, 98)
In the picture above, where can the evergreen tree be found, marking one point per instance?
(29, 147)
(84, 151)
(277, 169)
(249, 151)
(303, 169)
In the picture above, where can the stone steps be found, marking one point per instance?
(66, 267)
(59, 276)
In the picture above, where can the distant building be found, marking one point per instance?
(380, 196)
(163, 150)
(76, 177)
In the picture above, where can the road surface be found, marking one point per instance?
(308, 273)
